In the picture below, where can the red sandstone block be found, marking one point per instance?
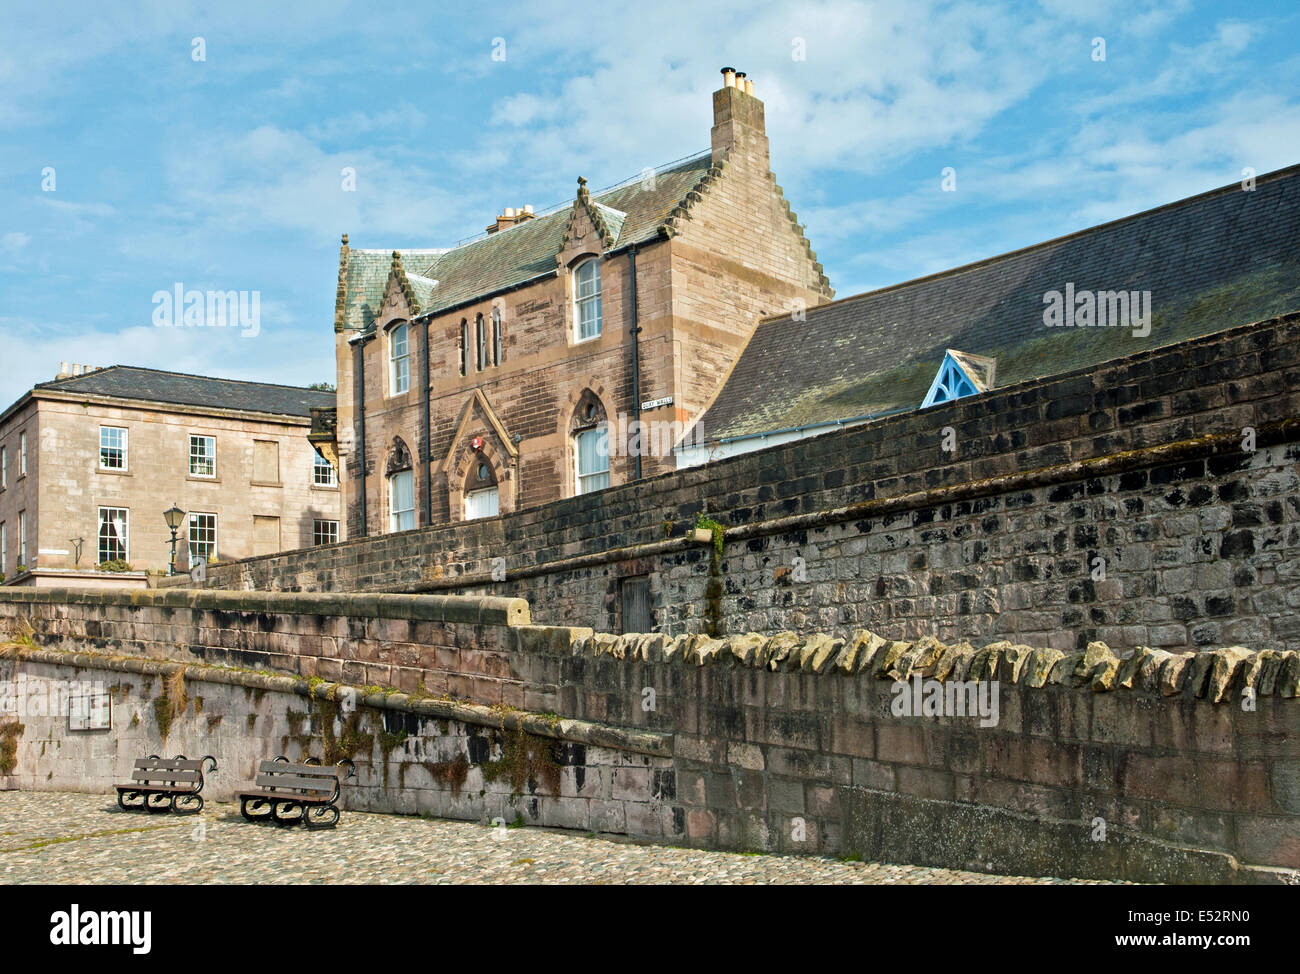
(1269, 841)
(512, 695)
(593, 705)
(435, 682)
(700, 824)
(926, 783)
(853, 736)
(1121, 718)
(485, 691)
(541, 701)
(901, 743)
(1197, 781)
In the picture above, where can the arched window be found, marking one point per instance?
(496, 336)
(464, 347)
(586, 297)
(480, 344)
(481, 495)
(590, 432)
(399, 360)
(401, 487)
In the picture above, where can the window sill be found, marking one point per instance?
(583, 341)
(334, 488)
(204, 480)
(110, 473)
(264, 483)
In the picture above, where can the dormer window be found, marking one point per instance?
(586, 295)
(399, 360)
(960, 374)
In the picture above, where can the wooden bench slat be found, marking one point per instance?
(281, 767)
(164, 774)
(287, 781)
(153, 788)
(287, 796)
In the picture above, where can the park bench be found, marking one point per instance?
(165, 785)
(291, 793)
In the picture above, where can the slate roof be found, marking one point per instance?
(633, 213)
(178, 388)
(1214, 261)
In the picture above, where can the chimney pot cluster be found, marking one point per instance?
(731, 78)
(510, 217)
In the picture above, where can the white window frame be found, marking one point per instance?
(123, 446)
(318, 464)
(396, 514)
(191, 525)
(99, 529)
(212, 458)
(4, 550)
(22, 460)
(399, 365)
(22, 539)
(4, 467)
(464, 346)
(586, 294)
(587, 482)
(484, 502)
(333, 531)
(496, 336)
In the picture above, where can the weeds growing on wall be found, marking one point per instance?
(169, 704)
(713, 588)
(10, 731)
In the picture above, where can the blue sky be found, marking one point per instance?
(225, 173)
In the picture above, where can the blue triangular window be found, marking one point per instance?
(951, 383)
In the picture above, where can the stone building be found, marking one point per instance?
(476, 380)
(90, 461)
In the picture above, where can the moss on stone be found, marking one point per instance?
(10, 732)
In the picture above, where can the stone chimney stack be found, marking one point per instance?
(64, 371)
(739, 132)
(510, 217)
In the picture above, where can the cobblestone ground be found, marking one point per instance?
(48, 837)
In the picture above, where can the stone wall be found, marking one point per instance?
(1122, 504)
(423, 756)
(1150, 766)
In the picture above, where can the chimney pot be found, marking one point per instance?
(749, 87)
(729, 77)
(76, 368)
(63, 371)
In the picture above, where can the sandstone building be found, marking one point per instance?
(475, 381)
(90, 461)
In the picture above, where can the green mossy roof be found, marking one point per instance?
(1212, 262)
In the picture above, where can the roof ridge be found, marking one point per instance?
(1074, 234)
(186, 375)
